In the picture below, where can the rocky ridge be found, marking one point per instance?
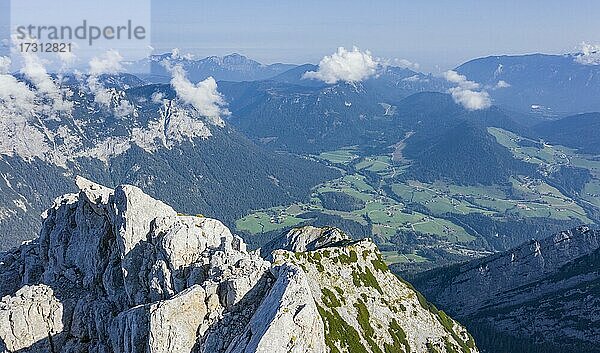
(118, 271)
(546, 291)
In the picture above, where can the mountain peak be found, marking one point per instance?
(233, 59)
(237, 56)
(307, 238)
(116, 270)
(230, 67)
(366, 308)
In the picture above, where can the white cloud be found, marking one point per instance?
(101, 94)
(15, 96)
(406, 64)
(502, 84)
(108, 63)
(344, 65)
(203, 96)
(35, 71)
(18, 98)
(467, 93)
(471, 100)
(124, 108)
(66, 58)
(589, 54)
(461, 80)
(176, 55)
(157, 97)
(4, 64)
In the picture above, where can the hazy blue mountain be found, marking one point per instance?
(395, 83)
(300, 118)
(579, 131)
(294, 76)
(392, 81)
(434, 113)
(377, 112)
(302, 115)
(233, 67)
(549, 85)
(445, 142)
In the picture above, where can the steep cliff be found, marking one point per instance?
(544, 294)
(118, 271)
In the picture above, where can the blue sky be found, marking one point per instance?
(436, 34)
(4, 21)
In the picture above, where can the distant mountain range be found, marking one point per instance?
(233, 67)
(446, 141)
(306, 117)
(547, 85)
(542, 85)
(543, 296)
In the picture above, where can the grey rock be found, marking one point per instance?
(307, 238)
(544, 290)
(364, 306)
(117, 271)
(29, 316)
(287, 320)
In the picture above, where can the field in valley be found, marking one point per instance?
(424, 215)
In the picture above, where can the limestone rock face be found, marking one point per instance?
(307, 238)
(171, 325)
(366, 308)
(288, 319)
(30, 315)
(117, 271)
(545, 290)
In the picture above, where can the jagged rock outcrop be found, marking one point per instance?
(366, 308)
(288, 314)
(129, 274)
(117, 271)
(30, 315)
(307, 238)
(544, 292)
